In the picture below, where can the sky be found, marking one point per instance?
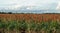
(40, 4)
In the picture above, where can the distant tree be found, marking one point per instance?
(9, 12)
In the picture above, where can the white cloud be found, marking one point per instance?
(58, 6)
(14, 6)
(19, 3)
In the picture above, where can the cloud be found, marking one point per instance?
(58, 6)
(14, 6)
(44, 4)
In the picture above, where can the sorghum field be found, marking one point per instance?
(36, 17)
(29, 23)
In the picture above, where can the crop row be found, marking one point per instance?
(36, 17)
(22, 26)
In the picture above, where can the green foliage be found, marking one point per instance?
(32, 25)
(12, 25)
(22, 25)
(49, 26)
(2, 25)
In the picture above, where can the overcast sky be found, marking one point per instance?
(42, 4)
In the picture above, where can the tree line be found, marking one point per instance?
(5, 12)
